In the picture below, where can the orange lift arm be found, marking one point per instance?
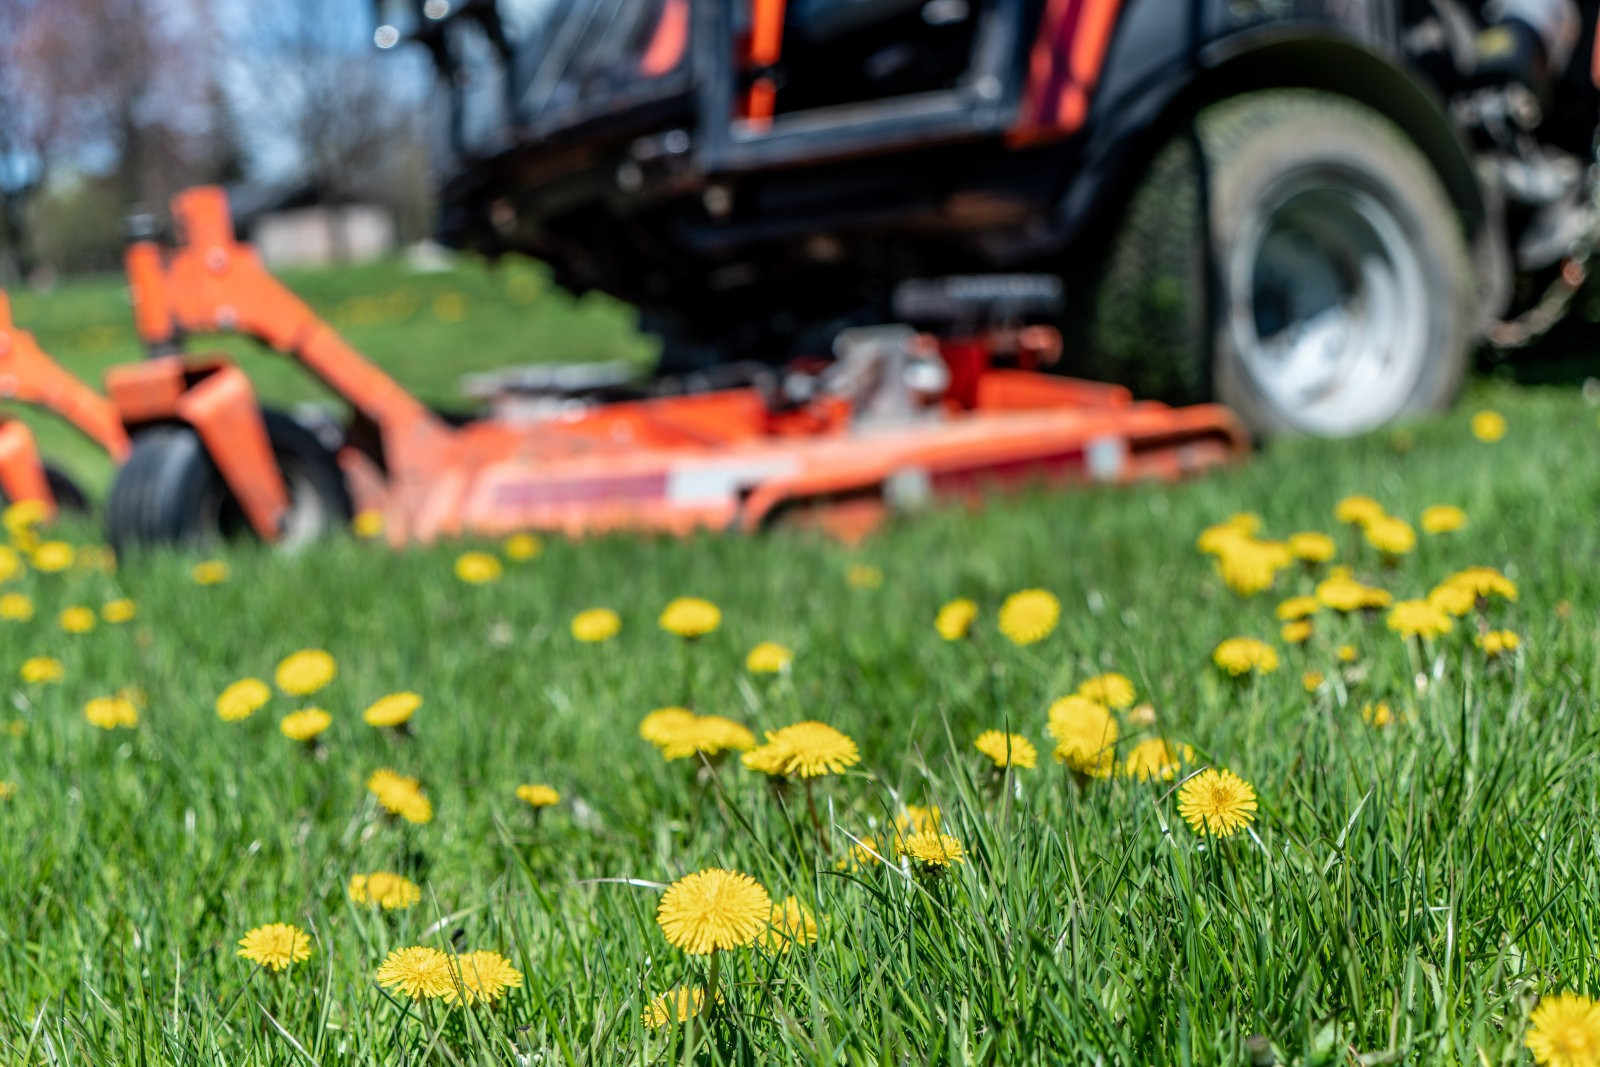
(30, 376)
(212, 283)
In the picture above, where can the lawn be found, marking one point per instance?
(1406, 892)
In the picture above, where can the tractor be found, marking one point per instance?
(1310, 210)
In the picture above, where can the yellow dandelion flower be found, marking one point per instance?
(108, 713)
(209, 572)
(16, 607)
(768, 657)
(1007, 750)
(367, 524)
(1155, 759)
(118, 611)
(690, 617)
(863, 576)
(538, 796)
(1443, 518)
(1217, 802)
(811, 749)
(1452, 598)
(792, 925)
(481, 977)
(400, 795)
(1241, 655)
(275, 946)
(1246, 522)
(861, 855)
(1340, 593)
(1375, 597)
(1498, 642)
(520, 548)
(420, 972)
(303, 673)
(1029, 616)
(665, 725)
(1346, 653)
(1418, 618)
(1113, 690)
(1085, 734)
(1299, 607)
(1219, 538)
(765, 759)
(8, 790)
(919, 819)
(304, 725)
(933, 849)
(23, 515)
(1485, 582)
(477, 568)
(595, 625)
(1358, 510)
(710, 734)
(1564, 1031)
(385, 889)
(1311, 680)
(713, 909)
(10, 563)
(39, 669)
(242, 699)
(674, 1006)
(1379, 714)
(77, 619)
(53, 556)
(1391, 536)
(393, 710)
(955, 618)
(1488, 426)
(1297, 632)
(1311, 546)
(1248, 567)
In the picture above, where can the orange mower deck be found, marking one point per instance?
(717, 460)
(29, 376)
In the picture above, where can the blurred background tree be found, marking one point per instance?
(110, 106)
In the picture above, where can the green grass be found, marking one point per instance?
(1406, 895)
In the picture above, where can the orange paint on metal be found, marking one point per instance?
(1072, 109)
(1041, 61)
(672, 464)
(223, 410)
(1594, 60)
(22, 474)
(670, 40)
(1064, 67)
(1091, 40)
(152, 310)
(30, 376)
(765, 49)
(147, 391)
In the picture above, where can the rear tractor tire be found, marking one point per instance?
(1295, 256)
(170, 492)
